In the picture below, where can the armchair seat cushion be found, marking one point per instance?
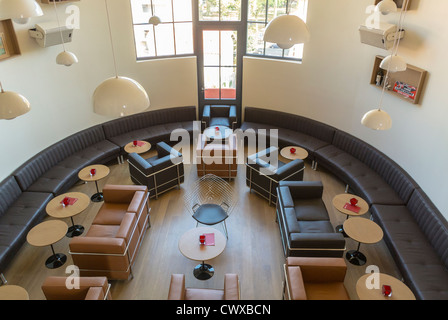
(219, 121)
(310, 210)
(111, 213)
(326, 291)
(203, 294)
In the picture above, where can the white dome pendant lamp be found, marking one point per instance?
(19, 10)
(65, 58)
(119, 96)
(286, 31)
(386, 7)
(393, 62)
(12, 104)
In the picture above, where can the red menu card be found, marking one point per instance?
(71, 201)
(351, 207)
(209, 239)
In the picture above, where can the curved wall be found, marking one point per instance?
(331, 85)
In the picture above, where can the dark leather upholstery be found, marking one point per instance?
(56, 168)
(19, 212)
(304, 223)
(159, 173)
(265, 183)
(151, 126)
(414, 230)
(219, 115)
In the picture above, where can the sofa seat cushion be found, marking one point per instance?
(312, 209)
(56, 180)
(427, 281)
(97, 152)
(359, 176)
(111, 213)
(326, 291)
(102, 231)
(315, 227)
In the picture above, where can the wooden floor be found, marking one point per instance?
(253, 250)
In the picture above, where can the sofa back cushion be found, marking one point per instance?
(31, 170)
(9, 192)
(290, 121)
(147, 119)
(431, 222)
(389, 170)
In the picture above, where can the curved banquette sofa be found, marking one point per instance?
(415, 232)
(25, 193)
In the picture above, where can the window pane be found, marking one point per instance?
(162, 9)
(228, 48)
(211, 47)
(276, 8)
(211, 82)
(184, 38)
(164, 39)
(273, 50)
(257, 10)
(228, 83)
(255, 43)
(182, 10)
(295, 52)
(209, 10)
(230, 10)
(144, 41)
(141, 11)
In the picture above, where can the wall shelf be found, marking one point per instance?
(412, 78)
(9, 46)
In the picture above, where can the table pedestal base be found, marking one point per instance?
(356, 257)
(203, 271)
(97, 197)
(340, 229)
(74, 231)
(56, 260)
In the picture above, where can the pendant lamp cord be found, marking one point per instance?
(394, 49)
(1, 87)
(111, 41)
(59, 24)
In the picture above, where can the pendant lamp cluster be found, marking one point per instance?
(116, 96)
(379, 119)
(286, 31)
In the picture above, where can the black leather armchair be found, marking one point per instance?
(263, 177)
(159, 173)
(305, 226)
(219, 115)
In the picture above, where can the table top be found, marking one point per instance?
(400, 291)
(340, 200)
(129, 148)
(56, 210)
(189, 244)
(222, 133)
(363, 230)
(102, 171)
(13, 292)
(299, 154)
(47, 233)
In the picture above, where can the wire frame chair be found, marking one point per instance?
(211, 200)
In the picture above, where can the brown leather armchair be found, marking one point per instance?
(178, 291)
(90, 288)
(315, 279)
(111, 245)
(217, 158)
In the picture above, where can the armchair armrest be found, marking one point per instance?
(231, 287)
(206, 115)
(295, 286)
(95, 293)
(289, 169)
(177, 287)
(319, 269)
(304, 189)
(140, 164)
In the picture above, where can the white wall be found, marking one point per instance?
(61, 97)
(332, 85)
